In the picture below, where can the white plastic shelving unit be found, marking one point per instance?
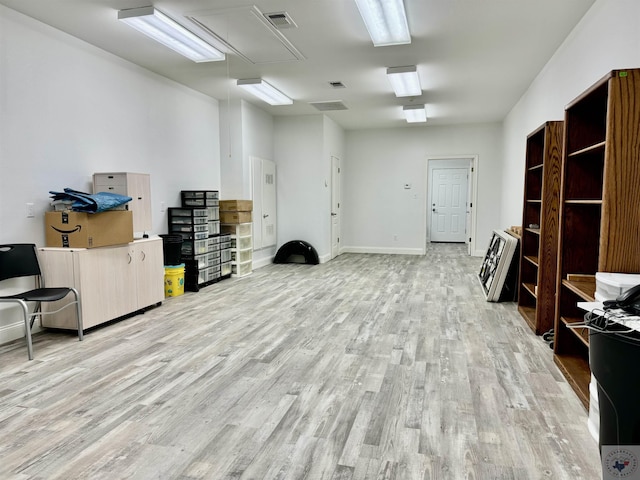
(241, 248)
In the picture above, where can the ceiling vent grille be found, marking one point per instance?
(280, 20)
(328, 106)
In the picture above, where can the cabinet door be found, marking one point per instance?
(58, 269)
(107, 283)
(139, 187)
(149, 264)
(105, 278)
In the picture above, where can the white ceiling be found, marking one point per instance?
(475, 58)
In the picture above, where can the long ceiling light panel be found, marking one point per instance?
(386, 21)
(264, 91)
(405, 81)
(168, 32)
(415, 113)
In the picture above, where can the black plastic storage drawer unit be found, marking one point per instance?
(197, 221)
(225, 255)
(200, 198)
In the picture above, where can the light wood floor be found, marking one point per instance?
(366, 367)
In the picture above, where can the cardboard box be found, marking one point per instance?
(235, 217)
(236, 206)
(88, 230)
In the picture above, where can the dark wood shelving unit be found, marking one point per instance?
(599, 209)
(539, 243)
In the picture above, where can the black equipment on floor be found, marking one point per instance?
(614, 353)
(297, 251)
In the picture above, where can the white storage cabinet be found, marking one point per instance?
(134, 185)
(241, 247)
(112, 281)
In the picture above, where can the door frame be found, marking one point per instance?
(457, 161)
(335, 195)
(257, 195)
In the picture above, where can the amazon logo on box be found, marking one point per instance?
(88, 230)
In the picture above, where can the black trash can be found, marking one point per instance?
(172, 249)
(614, 358)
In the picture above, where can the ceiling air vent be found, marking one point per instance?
(280, 20)
(331, 105)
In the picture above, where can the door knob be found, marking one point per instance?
(265, 215)
(333, 214)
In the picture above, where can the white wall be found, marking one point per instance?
(303, 148)
(257, 141)
(301, 172)
(607, 38)
(379, 163)
(68, 110)
(231, 150)
(245, 131)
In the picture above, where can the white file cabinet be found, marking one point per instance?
(134, 185)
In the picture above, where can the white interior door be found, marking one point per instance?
(268, 203)
(449, 187)
(335, 207)
(263, 185)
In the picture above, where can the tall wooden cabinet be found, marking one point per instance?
(600, 208)
(539, 241)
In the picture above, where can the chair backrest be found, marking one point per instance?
(18, 260)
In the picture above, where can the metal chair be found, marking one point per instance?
(21, 260)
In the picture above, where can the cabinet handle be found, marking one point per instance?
(129, 255)
(144, 255)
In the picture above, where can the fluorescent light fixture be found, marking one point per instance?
(415, 113)
(161, 28)
(264, 91)
(386, 21)
(405, 81)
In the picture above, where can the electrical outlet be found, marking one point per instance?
(30, 210)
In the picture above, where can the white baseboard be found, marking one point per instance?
(385, 250)
(325, 258)
(269, 260)
(262, 262)
(14, 331)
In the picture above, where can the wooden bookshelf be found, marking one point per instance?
(599, 214)
(539, 243)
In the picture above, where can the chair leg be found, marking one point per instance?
(27, 327)
(79, 315)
